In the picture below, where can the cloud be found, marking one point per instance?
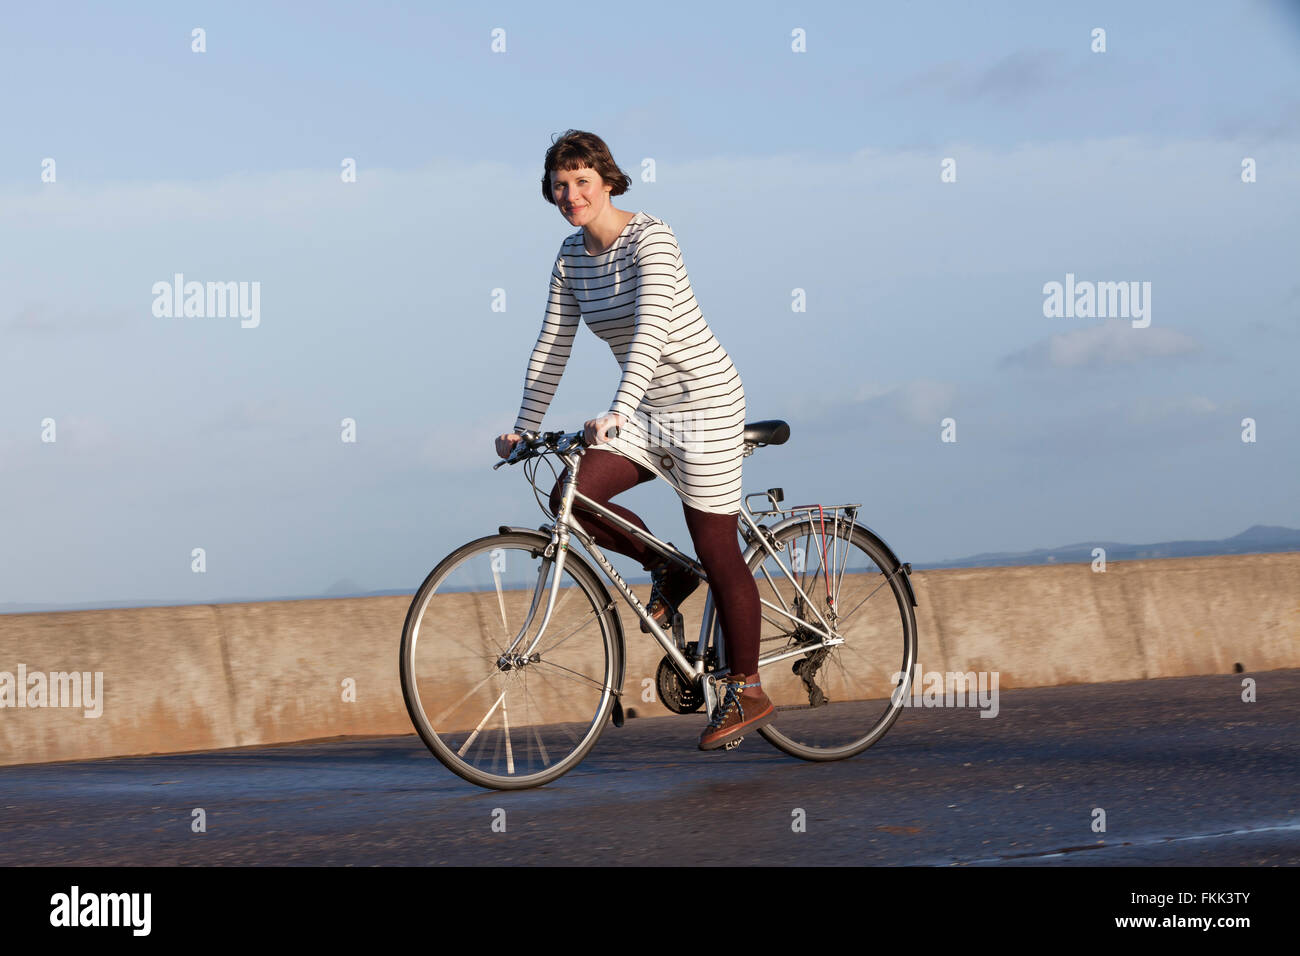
(941, 76)
(1262, 327)
(869, 390)
(1114, 342)
(80, 433)
(294, 200)
(1019, 74)
(44, 319)
(1146, 410)
(460, 445)
(920, 402)
(1262, 125)
(1022, 72)
(250, 414)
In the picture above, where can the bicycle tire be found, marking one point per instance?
(456, 692)
(860, 684)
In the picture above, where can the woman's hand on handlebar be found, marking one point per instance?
(506, 444)
(594, 430)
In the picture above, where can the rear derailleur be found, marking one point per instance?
(805, 668)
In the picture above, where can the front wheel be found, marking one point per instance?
(495, 706)
(832, 701)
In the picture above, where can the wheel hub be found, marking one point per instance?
(510, 662)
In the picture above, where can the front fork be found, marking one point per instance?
(552, 557)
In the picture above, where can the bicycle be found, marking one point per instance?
(506, 711)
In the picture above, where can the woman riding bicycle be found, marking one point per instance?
(679, 406)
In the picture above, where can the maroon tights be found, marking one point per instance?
(735, 595)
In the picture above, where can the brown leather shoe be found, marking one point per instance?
(743, 707)
(670, 585)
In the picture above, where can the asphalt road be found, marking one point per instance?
(1186, 772)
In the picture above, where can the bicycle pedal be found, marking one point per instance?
(733, 744)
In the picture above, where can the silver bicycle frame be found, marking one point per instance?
(692, 671)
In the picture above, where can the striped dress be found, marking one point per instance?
(681, 395)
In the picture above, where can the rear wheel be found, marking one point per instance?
(505, 717)
(832, 701)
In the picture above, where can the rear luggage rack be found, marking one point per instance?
(776, 495)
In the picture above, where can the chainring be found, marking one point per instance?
(676, 696)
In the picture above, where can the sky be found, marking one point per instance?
(797, 151)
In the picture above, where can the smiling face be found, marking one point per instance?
(580, 194)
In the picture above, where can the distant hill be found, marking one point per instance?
(1257, 539)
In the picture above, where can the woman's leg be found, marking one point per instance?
(743, 706)
(735, 594)
(604, 474)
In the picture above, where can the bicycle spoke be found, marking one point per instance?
(537, 736)
(580, 678)
(541, 748)
(479, 654)
(501, 602)
(486, 717)
(771, 620)
(845, 617)
(553, 725)
(812, 591)
(803, 572)
(839, 584)
(590, 619)
(505, 720)
(468, 694)
(837, 660)
(821, 557)
(562, 599)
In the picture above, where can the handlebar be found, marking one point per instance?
(529, 442)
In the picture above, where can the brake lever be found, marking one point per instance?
(512, 459)
(514, 452)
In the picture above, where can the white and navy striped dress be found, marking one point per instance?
(681, 395)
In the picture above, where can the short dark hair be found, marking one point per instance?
(577, 149)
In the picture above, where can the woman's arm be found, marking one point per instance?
(551, 353)
(658, 259)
